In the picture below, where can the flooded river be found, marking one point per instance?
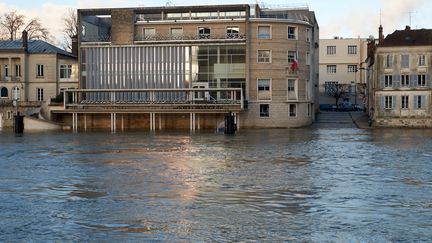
(307, 185)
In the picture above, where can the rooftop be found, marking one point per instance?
(409, 37)
(34, 47)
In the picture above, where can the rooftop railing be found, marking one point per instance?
(191, 37)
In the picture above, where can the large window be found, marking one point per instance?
(388, 81)
(404, 61)
(203, 33)
(263, 84)
(331, 50)
(292, 93)
(404, 102)
(292, 33)
(292, 110)
(4, 92)
(6, 69)
(264, 32)
(176, 33)
(264, 56)
(232, 32)
(39, 70)
(419, 101)
(331, 68)
(264, 110)
(352, 68)
(352, 50)
(40, 94)
(15, 93)
(421, 80)
(388, 102)
(18, 70)
(405, 80)
(65, 71)
(149, 33)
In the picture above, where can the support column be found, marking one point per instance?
(85, 122)
(152, 121)
(122, 123)
(160, 121)
(192, 121)
(238, 121)
(75, 122)
(198, 118)
(113, 122)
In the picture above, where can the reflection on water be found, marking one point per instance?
(321, 185)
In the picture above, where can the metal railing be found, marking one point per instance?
(171, 98)
(190, 37)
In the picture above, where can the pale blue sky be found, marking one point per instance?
(345, 18)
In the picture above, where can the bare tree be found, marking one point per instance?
(13, 23)
(70, 29)
(337, 91)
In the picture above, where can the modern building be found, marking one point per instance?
(402, 84)
(342, 61)
(31, 72)
(188, 66)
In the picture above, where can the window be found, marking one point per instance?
(331, 50)
(404, 104)
(352, 50)
(264, 32)
(388, 102)
(39, 70)
(4, 92)
(419, 101)
(352, 68)
(203, 33)
(292, 35)
(18, 70)
(15, 93)
(404, 61)
(65, 71)
(263, 84)
(232, 32)
(329, 85)
(292, 94)
(331, 68)
(264, 110)
(388, 81)
(6, 69)
(405, 80)
(40, 94)
(292, 110)
(292, 55)
(176, 33)
(9, 115)
(421, 80)
(422, 60)
(264, 56)
(308, 60)
(149, 33)
(308, 35)
(388, 62)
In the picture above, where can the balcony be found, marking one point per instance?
(191, 37)
(154, 100)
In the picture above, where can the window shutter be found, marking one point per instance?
(413, 80)
(423, 101)
(415, 102)
(382, 102)
(394, 101)
(382, 81)
(428, 81)
(396, 81)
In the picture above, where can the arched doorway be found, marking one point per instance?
(4, 92)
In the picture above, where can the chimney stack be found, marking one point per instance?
(407, 27)
(74, 46)
(380, 35)
(25, 40)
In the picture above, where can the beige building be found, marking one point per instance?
(32, 72)
(402, 84)
(189, 66)
(342, 61)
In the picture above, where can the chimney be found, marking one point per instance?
(24, 40)
(380, 35)
(75, 46)
(407, 27)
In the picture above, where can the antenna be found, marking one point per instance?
(410, 14)
(380, 17)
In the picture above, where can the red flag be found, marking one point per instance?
(295, 65)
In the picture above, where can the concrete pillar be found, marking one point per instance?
(85, 122)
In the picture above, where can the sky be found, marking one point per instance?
(342, 18)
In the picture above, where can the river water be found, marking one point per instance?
(299, 185)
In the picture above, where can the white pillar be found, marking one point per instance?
(122, 123)
(199, 126)
(85, 122)
(160, 122)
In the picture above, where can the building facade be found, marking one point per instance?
(402, 85)
(342, 61)
(32, 72)
(199, 62)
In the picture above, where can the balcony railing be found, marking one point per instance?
(93, 38)
(191, 37)
(162, 99)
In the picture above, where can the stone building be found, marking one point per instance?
(188, 66)
(402, 79)
(342, 61)
(32, 72)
